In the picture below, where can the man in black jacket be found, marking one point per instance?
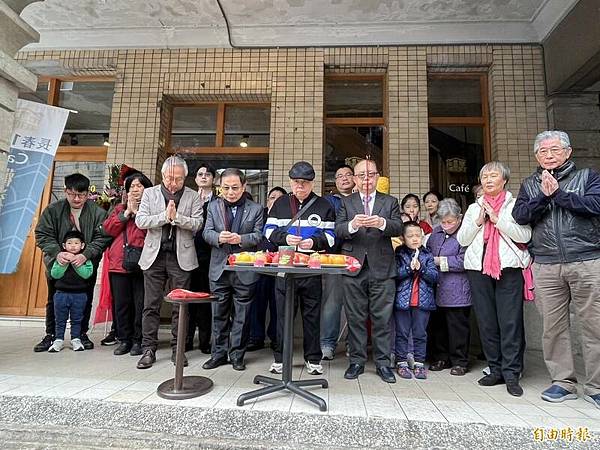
(365, 224)
(200, 315)
(74, 212)
(312, 232)
(562, 205)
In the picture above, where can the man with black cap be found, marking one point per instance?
(306, 221)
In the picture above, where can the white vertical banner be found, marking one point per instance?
(36, 135)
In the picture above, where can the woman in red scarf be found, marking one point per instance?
(494, 266)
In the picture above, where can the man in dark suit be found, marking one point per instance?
(200, 316)
(233, 224)
(365, 223)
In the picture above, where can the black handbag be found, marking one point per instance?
(131, 255)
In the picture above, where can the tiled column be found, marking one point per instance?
(407, 121)
(296, 114)
(517, 107)
(14, 34)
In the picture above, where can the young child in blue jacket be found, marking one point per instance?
(417, 276)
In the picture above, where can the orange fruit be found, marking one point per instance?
(337, 259)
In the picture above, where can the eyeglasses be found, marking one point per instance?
(77, 194)
(343, 175)
(363, 175)
(204, 174)
(231, 188)
(543, 152)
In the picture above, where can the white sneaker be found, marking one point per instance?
(276, 368)
(313, 369)
(76, 345)
(328, 353)
(56, 346)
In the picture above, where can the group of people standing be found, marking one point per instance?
(416, 275)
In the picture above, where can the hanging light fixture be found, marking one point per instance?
(244, 141)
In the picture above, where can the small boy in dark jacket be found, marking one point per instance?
(417, 276)
(70, 298)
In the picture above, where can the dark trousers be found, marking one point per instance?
(367, 297)
(127, 290)
(263, 299)
(69, 304)
(499, 308)
(87, 312)
(308, 298)
(230, 315)
(412, 320)
(200, 314)
(449, 335)
(164, 268)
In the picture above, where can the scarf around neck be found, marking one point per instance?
(491, 237)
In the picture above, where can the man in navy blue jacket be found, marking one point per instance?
(562, 205)
(313, 231)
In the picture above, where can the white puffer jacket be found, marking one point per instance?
(471, 236)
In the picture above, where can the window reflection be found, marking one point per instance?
(346, 145)
(353, 98)
(455, 158)
(194, 126)
(93, 103)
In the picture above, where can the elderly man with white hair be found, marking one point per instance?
(171, 213)
(562, 205)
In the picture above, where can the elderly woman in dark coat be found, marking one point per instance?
(450, 338)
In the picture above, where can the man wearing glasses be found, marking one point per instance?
(60, 217)
(200, 316)
(366, 222)
(331, 308)
(171, 213)
(562, 205)
(233, 225)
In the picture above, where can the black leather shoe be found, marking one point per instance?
(513, 388)
(148, 358)
(386, 374)
(136, 350)
(439, 365)
(213, 363)
(174, 358)
(353, 371)
(85, 340)
(238, 364)
(122, 349)
(44, 344)
(491, 380)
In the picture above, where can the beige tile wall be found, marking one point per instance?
(292, 79)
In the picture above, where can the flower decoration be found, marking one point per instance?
(113, 191)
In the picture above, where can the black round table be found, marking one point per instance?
(180, 387)
(286, 383)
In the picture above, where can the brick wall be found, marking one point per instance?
(292, 79)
